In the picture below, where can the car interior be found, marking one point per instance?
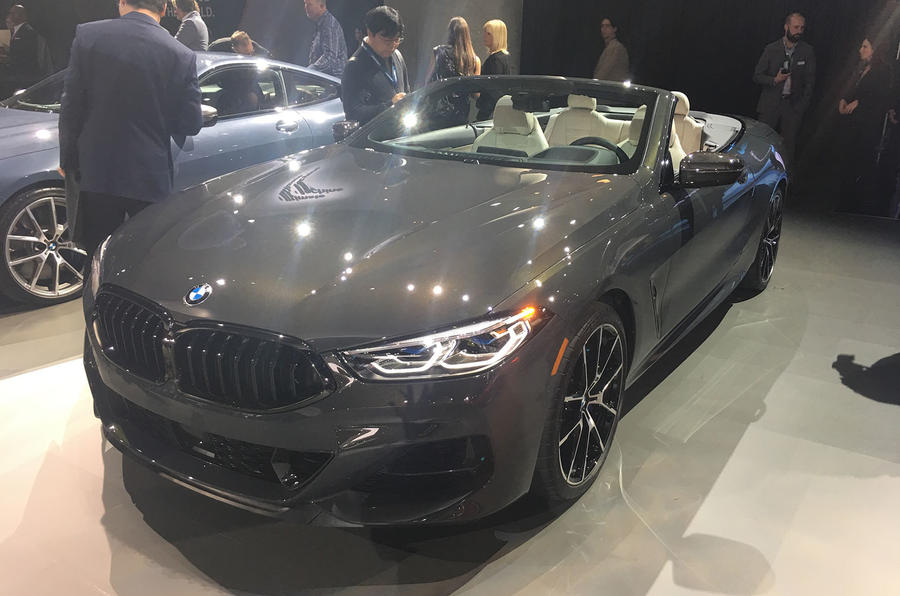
(582, 132)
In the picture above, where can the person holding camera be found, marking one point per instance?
(787, 73)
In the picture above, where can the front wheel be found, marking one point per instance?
(757, 278)
(585, 408)
(41, 264)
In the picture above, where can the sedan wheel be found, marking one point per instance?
(586, 408)
(760, 272)
(41, 264)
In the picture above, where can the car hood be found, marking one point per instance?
(341, 246)
(24, 132)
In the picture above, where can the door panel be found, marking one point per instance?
(713, 226)
(254, 125)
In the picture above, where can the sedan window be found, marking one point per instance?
(241, 90)
(304, 89)
(42, 97)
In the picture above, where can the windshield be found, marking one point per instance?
(534, 122)
(42, 97)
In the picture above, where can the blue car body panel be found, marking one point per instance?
(29, 148)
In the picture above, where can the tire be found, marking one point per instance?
(561, 474)
(760, 272)
(39, 265)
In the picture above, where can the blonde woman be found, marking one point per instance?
(456, 58)
(497, 63)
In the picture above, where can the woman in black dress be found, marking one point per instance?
(861, 110)
(456, 58)
(497, 63)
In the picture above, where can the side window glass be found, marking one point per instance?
(238, 91)
(304, 89)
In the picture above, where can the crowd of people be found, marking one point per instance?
(119, 172)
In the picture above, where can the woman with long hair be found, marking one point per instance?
(497, 63)
(861, 113)
(456, 58)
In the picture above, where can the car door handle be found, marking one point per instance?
(287, 126)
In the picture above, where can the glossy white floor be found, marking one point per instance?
(745, 466)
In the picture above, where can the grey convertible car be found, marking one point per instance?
(265, 109)
(428, 320)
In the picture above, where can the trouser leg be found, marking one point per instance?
(99, 215)
(789, 126)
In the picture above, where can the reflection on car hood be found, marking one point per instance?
(24, 132)
(345, 245)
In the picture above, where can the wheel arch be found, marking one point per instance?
(621, 302)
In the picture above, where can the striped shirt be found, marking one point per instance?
(328, 53)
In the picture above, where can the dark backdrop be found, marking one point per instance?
(706, 48)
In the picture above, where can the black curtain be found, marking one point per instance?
(283, 28)
(705, 48)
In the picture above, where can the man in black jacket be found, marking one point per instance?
(130, 89)
(375, 77)
(22, 68)
(787, 72)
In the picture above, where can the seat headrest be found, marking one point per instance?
(683, 106)
(582, 102)
(509, 120)
(637, 125)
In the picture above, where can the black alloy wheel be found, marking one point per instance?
(585, 409)
(41, 264)
(760, 273)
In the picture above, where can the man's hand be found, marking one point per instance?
(852, 106)
(61, 171)
(781, 77)
(397, 97)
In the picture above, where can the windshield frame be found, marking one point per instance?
(15, 102)
(362, 139)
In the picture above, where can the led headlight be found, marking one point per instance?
(460, 351)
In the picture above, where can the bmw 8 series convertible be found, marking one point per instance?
(255, 110)
(435, 316)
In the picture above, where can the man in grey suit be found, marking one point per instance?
(787, 72)
(192, 32)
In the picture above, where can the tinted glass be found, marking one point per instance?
(44, 96)
(241, 90)
(304, 89)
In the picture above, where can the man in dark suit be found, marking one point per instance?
(130, 89)
(22, 68)
(375, 77)
(787, 72)
(192, 32)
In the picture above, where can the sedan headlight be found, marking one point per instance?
(460, 351)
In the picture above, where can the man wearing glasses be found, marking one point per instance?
(375, 77)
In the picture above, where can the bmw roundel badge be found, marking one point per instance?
(198, 294)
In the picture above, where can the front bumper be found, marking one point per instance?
(367, 454)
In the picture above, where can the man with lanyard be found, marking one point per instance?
(375, 77)
(787, 73)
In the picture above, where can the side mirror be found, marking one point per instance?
(210, 115)
(343, 129)
(703, 168)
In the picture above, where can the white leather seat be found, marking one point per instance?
(629, 145)
(690, 132)
(676, 150)
(580, 120)
(513, 129)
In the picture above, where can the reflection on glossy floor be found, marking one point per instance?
(745, 466)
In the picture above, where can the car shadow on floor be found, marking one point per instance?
(240, 551)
